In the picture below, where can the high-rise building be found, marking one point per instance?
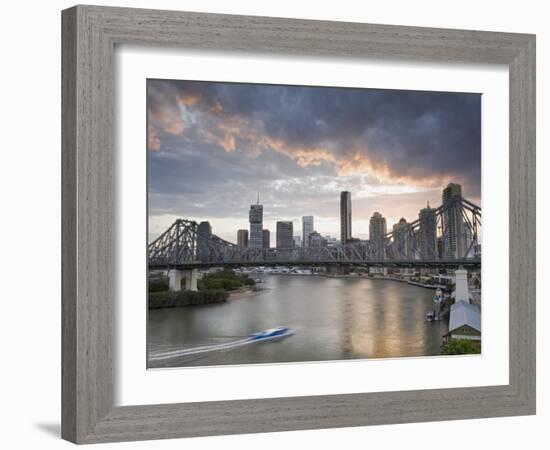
(242, 238)
(452, 222)
(452, 190)
(307, 228)
(440, 253)
(204, 232)
(467, 238)
(265, 239)
(331, 241)
(256, 216)
(402, 238)
(428, 233)
(284, 235)
(316, 240)
(398, 225)
(377, 231)
(345, 216)
(297, 241)
(377, 227)
(415, 247)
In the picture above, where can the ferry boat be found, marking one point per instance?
(271, 334)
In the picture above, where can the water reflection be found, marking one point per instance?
(334, 319)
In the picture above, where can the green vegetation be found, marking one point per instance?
(450, 287)
(461, 347)
(158, 284)
(171, 299)
(213, 288)
(226, 280)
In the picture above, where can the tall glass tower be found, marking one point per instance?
(256, 217)
(266, 241)
(345, 216)
(428, 233)
(204, 232)
(452, 223)
(377, 227)
(284, 235)
(307, 229)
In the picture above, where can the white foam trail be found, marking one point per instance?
(160, 356)
(197, 350)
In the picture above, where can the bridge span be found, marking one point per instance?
(456, 225)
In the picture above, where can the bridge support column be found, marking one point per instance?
(176, 275)
(461, 286)
(191, 277)
(174, 279)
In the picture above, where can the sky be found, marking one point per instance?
(213, 147)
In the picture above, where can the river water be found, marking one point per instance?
(333, 319)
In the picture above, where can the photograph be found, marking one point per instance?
(295, 224)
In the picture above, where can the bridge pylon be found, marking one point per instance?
(461, 285)
(176, 275)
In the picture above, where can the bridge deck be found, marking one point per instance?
(450, 264)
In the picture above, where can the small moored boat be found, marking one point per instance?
(438, 297)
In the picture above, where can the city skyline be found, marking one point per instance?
(213, 146)
(453, 243)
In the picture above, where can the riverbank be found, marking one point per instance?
(427, 286)
(412, 283)
(321, 275)
(242, 293)
(175, 299)
(366, 277)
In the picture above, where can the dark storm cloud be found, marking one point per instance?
(214, 145)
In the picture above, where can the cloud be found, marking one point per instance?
(228, 142)
(153, 141)
(213, 146)
(188, 99)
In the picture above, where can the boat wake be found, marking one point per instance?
(268, 335)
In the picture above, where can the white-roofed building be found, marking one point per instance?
(465, 321)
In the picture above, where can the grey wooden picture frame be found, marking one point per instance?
(90, 34)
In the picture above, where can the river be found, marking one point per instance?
(333, 319)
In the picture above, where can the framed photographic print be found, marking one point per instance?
(267, 222)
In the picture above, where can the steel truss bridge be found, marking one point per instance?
(447, 236)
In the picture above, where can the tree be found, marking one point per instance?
(461, 347)
(224, 279)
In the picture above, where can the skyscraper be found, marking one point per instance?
(345, 216)
(452, 190)
(377, 227)
(452, 222)
(467, 238)
(428, 233)
(204, 232)
(285, 235)
(266, 239)
(402, 238)
(242, 238)
(256, 216)
(316, 240)
(307, 228)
